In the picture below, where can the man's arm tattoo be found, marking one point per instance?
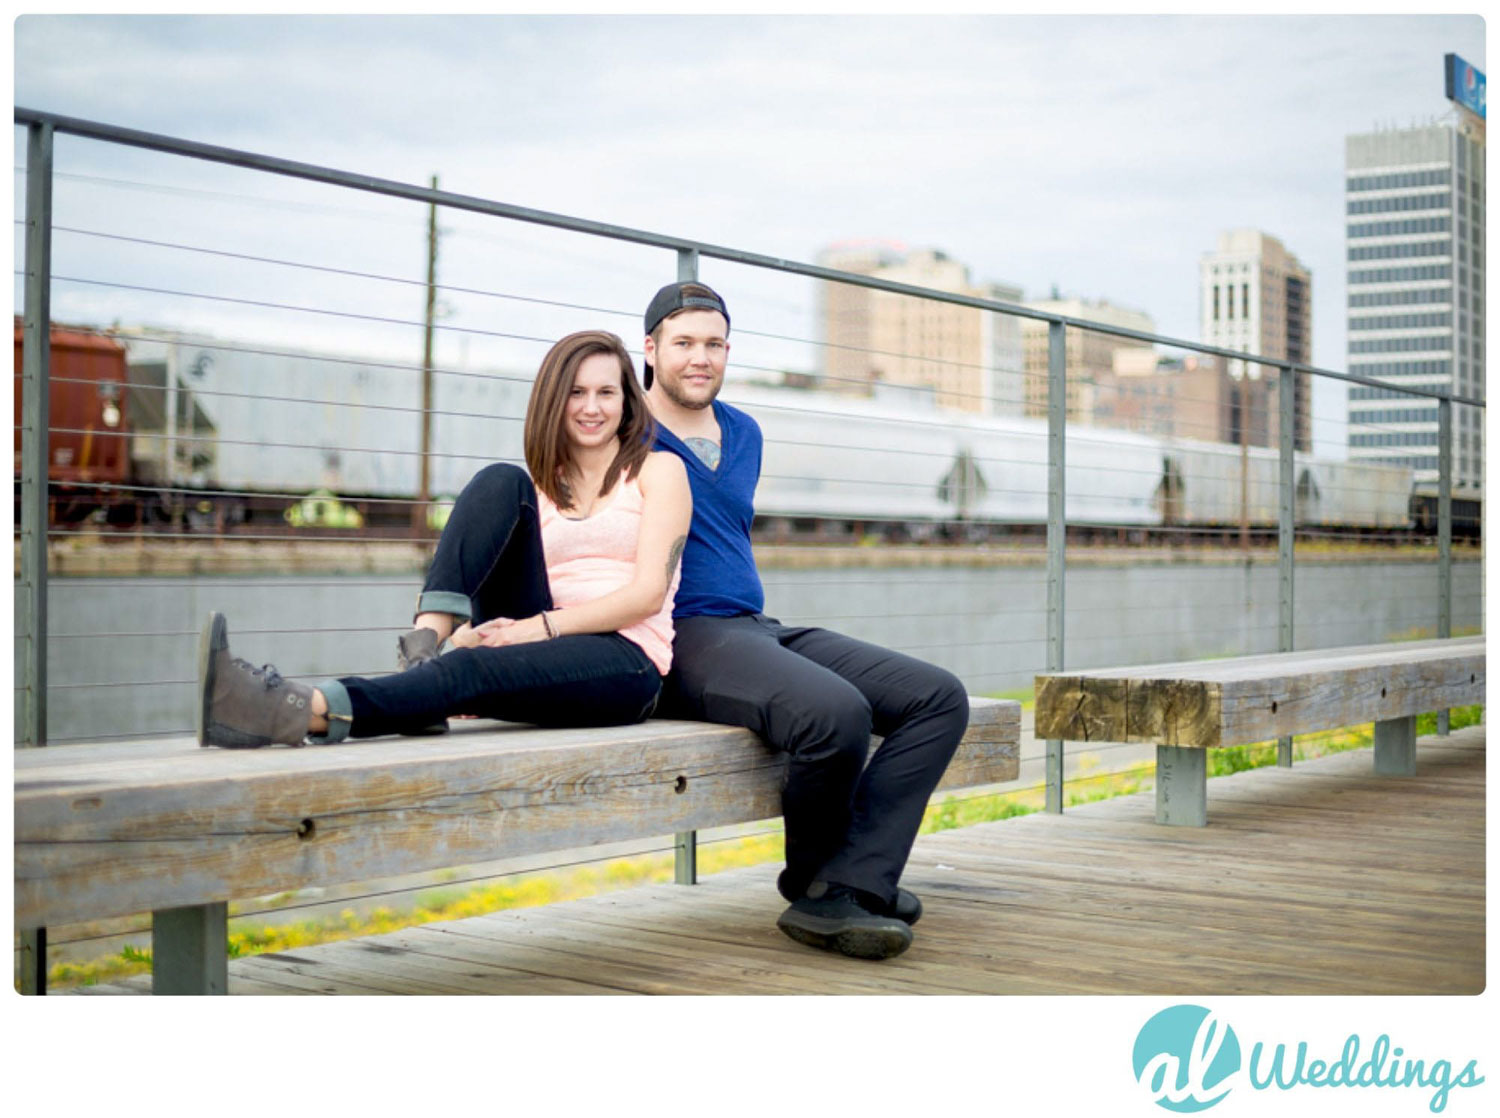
(676, 555)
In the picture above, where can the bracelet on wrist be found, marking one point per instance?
(547, 624)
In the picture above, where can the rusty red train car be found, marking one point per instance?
(88, 444)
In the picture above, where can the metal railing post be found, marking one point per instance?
(685, 843)
(1286, 531)
(1057, 527)
(1445, 533)
(35, 400)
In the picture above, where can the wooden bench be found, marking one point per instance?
(1186, 709)
(179, 831)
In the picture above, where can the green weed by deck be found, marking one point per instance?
(1222, 762)
(1088, 784)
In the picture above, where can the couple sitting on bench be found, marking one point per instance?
(618, 581)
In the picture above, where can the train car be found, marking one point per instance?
(834, 457)
(293, 422)
(87, 408)
(1364, 496)
(1203, 480)
(88, 448)
(1467, 511)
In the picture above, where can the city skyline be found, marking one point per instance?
(1082, 153)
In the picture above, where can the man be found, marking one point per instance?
(816, 694)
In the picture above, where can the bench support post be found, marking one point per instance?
(1181, 786)
(33, 960)
(685, 857)
(190, 949)
(1396, 746)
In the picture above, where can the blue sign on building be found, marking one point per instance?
(1464, 84)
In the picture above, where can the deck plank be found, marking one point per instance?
(1321, 879)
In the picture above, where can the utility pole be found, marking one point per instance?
(424, 486)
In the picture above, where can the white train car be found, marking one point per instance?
(1202, 488)
(836, 458)
(1354, 495)
(829, 456)
(291, 423)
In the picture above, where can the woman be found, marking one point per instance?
(581, 637)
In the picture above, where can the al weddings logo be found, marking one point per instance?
(1188, 1060)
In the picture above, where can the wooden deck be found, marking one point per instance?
(1324, 879)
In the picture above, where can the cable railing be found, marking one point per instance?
(995, 624)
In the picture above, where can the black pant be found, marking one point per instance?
(819, 695)
(489, 563)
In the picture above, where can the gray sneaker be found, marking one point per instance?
(417, 647)
(244, 707)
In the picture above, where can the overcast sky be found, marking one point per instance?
(1100, 155)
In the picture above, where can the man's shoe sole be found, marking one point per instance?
(214, 638)
(871, 938)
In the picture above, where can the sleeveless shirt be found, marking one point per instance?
(589, 558)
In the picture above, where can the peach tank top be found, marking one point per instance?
(587, 559)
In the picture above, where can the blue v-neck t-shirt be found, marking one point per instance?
(719, 578)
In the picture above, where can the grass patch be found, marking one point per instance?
(1222, 762)
(1090, 783)
(1026, 696)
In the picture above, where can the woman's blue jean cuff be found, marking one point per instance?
(340, 713)
(444, 601)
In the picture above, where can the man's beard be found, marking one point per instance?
(673, 393)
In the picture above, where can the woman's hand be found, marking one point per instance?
(505, 630)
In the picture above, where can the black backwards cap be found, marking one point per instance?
(671, 299)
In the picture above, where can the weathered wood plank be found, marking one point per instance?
(1257, 698)
(108, 835)
(1256, 664)
(1080, 708)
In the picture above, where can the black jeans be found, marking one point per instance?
(489, 564)
(819, 695)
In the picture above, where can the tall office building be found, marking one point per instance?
(1088, 355)
(1255, 297)
(963, 357)
(1415, 214)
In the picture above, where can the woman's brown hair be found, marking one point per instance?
(549, 455)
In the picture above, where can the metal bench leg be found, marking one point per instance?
(190, 950)
(1284, 752)
(33, 960)
(1396, 746)
(685, 851)
(1181, 786)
